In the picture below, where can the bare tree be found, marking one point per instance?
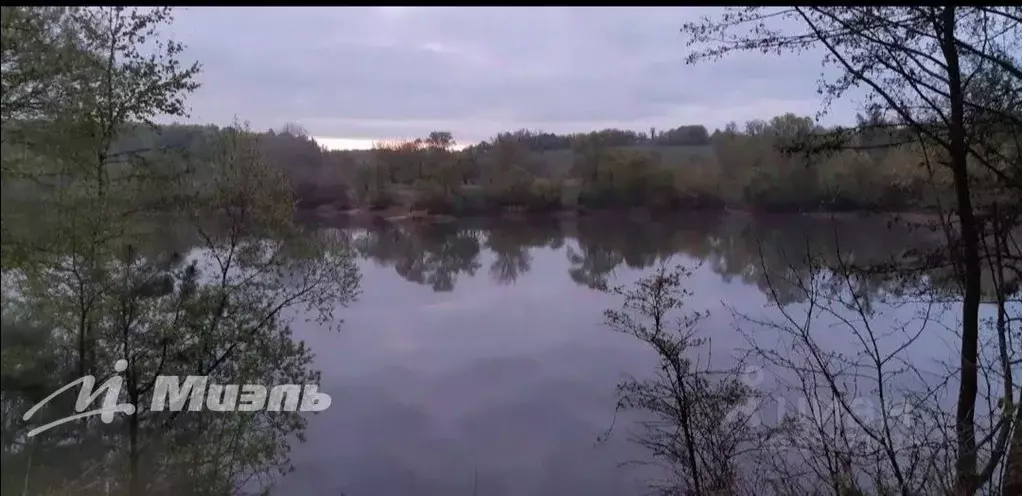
(921, 65)
(700, 430)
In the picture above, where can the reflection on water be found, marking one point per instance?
(731, 245)
(475, 361)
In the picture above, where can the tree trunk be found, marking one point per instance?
(1012, 483)
(134, 483)
(965, 422)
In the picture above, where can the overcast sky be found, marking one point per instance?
(386, 72)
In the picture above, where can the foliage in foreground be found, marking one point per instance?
(89, 280)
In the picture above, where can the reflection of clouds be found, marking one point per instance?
(519, 423)
(484, 299)
(402, 343)
(442, 330)
(456, 304)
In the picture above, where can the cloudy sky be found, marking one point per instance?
(396, 73)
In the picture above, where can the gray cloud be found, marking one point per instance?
(401, 72)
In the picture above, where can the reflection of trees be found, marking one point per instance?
(512, 259)
(591, 264)
(601, 250)
(738, 246)
(428, 254)
(789, 247)
(603, 246)
(734, 246)
(511, 244)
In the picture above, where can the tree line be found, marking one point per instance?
(752, 167)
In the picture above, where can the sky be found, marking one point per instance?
(352, 75)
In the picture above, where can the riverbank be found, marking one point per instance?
(399, 215)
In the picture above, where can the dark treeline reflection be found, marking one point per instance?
(732, 245)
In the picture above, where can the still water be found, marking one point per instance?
(475, 360)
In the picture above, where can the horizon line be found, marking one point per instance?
(342, 144)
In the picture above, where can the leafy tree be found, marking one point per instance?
(95, 281)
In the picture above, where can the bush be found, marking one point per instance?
(544, 196)
(378, 199)
(569, 194)
(313, 196)
(429, 196)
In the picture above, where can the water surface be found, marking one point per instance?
(476, 362)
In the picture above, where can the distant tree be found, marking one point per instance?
(293, 129)
(440, 140)
(684, 136)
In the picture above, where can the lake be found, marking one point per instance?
(476, 361)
